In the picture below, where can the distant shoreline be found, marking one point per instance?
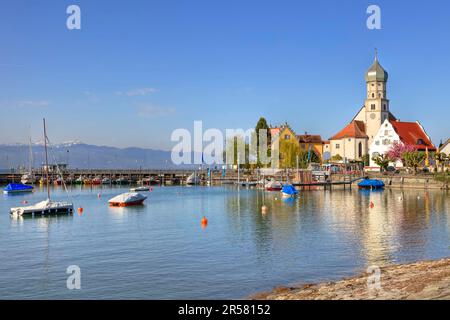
(422, 280)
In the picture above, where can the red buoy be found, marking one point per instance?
(80, 210)
(204, 222)
(371, 205)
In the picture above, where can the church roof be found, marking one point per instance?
(376, 72)
(412, 133)
(355, 129)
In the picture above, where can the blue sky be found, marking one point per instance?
(139, 69)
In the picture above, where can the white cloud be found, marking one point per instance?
(150, 111)
(33, 103)
(137, 92)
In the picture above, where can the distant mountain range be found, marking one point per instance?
(84, 156)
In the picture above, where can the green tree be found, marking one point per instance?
(382, 161)
(234, 146)
(262, 125)
(366, 160)
(289, 151)
(414, 159)
(303, 160)
(336, 158)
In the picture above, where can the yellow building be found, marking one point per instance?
(288, 143)
(311, 142)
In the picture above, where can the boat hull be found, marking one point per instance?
(127, 204)
(274, 188)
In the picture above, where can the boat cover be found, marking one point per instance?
(289, 189)
(17, 187)
(128, 197)
(371, 183)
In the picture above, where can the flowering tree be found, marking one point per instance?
(397, 150)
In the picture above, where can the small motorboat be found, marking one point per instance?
(127, 199)
(122, 180)
(106, 181)
(193, 179)
(28, 178)
(58, 181)
(289, 191)
(96, 181)
(371, 184)
(46, 207)
(79, 180)
(274, 185)
(138, 189)
(14, 188)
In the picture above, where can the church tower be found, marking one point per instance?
(377, 103)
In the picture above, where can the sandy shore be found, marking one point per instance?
(417, 281)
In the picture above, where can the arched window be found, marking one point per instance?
(360, 150)
(373, 95)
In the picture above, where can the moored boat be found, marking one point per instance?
(46, 207)
(193, 179)
(127, 199)
(371, 184)
(289, 191)
(106, 181)
(137, 189)
(28, 178)
(14, 188)
(274, 185)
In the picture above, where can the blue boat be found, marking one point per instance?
(371, 184)
(289, 191)
(17, 188)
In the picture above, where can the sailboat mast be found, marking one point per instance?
(46, 161)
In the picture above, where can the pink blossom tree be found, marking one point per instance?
(397, 150)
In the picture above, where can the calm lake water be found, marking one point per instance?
(160, 251)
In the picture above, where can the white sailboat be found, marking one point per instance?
(46, 207)
(28, 177)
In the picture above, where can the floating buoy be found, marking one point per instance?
(80, 209)
(371, 205)
(204, 222)
(264, 209)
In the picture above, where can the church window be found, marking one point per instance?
(384, 107)
(372, 107)
(360, 150)
(337, 146)
(373, 95)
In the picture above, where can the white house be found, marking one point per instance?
(408, 133)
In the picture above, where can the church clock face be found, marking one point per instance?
(373, 116)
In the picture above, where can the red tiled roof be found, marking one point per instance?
(412, 133)
(355, 129)
(274, 131)
(309, 138)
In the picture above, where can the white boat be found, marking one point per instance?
(28, 178)
(193, 179)
(127, 199)
(106, 181)
(137, 189)
(46, 207)
(273, 185)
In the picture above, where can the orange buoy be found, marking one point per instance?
(204, 222)
(80, 210)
